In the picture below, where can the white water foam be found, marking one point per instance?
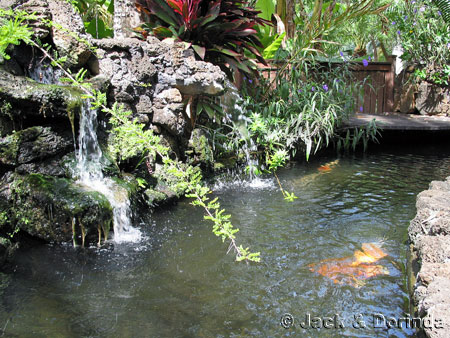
(235, 182)
(89, 157)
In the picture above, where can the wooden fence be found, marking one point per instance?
(379, 86)
(378, 89)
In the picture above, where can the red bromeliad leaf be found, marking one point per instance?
(177, 5)
(218, 30)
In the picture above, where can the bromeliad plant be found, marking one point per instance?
(219, 31)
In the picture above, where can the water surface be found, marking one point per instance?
(179, 282)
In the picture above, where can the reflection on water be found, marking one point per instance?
(180, 283)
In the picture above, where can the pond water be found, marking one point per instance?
(179, 282)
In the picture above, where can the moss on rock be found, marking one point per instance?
(47, 207)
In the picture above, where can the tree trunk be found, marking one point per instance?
(126, 17)
(290, 15)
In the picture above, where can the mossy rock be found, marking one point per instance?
(7, 249)
(200, 150)
(155, 197)
(30, 98)
(48, 208)
(33, 144)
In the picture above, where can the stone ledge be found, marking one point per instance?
(429, 234)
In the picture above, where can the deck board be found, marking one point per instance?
(393, 121)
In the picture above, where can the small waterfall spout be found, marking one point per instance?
(89, 164)
(231, 103)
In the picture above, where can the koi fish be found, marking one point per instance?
(328, 166)
(355, 269)
(304, 180)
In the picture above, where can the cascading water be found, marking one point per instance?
(89, 165)
(44, 73)
(231, 103)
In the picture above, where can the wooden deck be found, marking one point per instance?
(391, 121)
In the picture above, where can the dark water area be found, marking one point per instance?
(179, 282)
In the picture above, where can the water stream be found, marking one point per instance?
(89, 167)
(180, 282)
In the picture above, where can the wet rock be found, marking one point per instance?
(199, 149)
(7, 249)
(32, 145)
(27, 98)
(47, 208)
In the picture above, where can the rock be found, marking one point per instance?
(33, 145)
(7, 249)
(155, 78)
(201, 151)
(43, 14)
(27, 98)
(126, 17)
(434, 249)
(7, 4)
(429, 233)
(432, 100)
(66, 19)
(433, 200)
(430, 271)
(199, 78)
(46, 207)
(155, 198)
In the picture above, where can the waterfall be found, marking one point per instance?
(89, 166)
(231, 103)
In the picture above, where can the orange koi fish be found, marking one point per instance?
(355, 269)
(328, 166)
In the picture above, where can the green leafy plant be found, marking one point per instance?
(219, 31)
(420, 28)
(13, 29)
(353, 137)
(97, 16)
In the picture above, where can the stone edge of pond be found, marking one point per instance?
(429, 236)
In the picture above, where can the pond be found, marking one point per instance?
(179, 282)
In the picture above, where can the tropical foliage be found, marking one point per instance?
(13, 29)
(219, 31)
(420, 29)
(97, 16)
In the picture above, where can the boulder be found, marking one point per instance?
(57, 210)
(68, 25)
(432, 99)
(33, 144)
(27, 98)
